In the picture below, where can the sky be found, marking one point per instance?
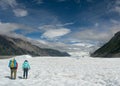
(63, 21)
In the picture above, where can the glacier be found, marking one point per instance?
(63, 71)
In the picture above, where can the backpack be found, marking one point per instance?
(12, 65)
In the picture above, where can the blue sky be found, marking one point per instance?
(60, 20)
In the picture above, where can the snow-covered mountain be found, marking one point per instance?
(80, 48)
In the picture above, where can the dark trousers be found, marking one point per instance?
(25, 73)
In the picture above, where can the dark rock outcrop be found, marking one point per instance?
(110, 49)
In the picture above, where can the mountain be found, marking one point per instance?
(77, 49)
(110, 49)
(17, 46)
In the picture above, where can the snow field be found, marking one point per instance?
(64, 71)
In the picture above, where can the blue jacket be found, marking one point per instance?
(26, 65)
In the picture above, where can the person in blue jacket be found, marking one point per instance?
(25, 67)
(13, 65)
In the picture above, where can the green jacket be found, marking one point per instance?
(26, 65)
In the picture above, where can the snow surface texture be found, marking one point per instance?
(64, 71)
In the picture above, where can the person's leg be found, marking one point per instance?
(15, 72)
(11, 73)
(23, 73)
(26, 73)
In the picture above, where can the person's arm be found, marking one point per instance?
(17, 65)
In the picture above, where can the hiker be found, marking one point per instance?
(25, 67)
(13, 65)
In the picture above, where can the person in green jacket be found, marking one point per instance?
(25, 68)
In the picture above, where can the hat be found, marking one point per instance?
(26, 61)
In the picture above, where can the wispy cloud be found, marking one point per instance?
(8, 3)
(114, 22)
(39, 1)
(76, 1)
(66, 24)
(116, 7)
(56, 24)
(103, 35)
(17, 10)
(90, 35)
(20, 12)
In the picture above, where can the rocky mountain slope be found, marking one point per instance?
(110, 49)
(17, 46)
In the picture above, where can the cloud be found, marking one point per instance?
(20, 12)
(114, 22)
(97, 35)
(55, 25)
(8, 3)
(54, 33)
(66, 24)
(17, 10)
(10, 28)
(49, 32)
(47, 27)
(91, 35)
(6, 28)
(116, 7)
(76, 1)
(115, 28)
